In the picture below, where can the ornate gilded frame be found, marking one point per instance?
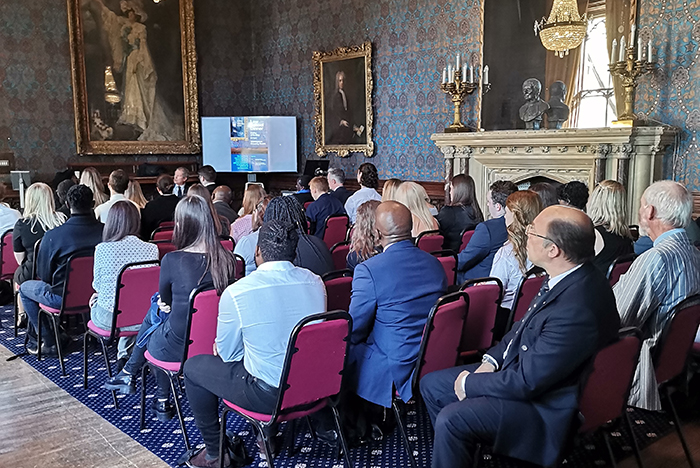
(322, 58)
(84, 145)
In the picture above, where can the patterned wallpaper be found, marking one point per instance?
(671, 94)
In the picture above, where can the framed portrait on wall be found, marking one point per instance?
(133, 66)
(343, 100)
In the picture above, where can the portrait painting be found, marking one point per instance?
(134, 76)
(343, 100)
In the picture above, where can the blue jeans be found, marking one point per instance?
(32, 293)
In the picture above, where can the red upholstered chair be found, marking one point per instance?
(240, 266)
(527, 291)
(199, 339)
(164, 247)
(485, 296)
(338, 289)
(311, 376)
(228, 244)
(448, 260)
(439, 348)
(307, 204)
(619, 267)
(136, 283)
(167, 225)
(336, 229)
(340, 252)
(77, 291)
(7, 257)
(430, 241)
(15, 304)
(466, 237)
(162, 235)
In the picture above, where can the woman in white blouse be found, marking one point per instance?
(511, 263)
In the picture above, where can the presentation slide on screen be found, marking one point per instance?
(250, 144)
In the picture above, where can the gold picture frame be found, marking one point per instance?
(134, 92)
(343, 101)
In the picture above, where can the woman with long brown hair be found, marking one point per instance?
(462, 214)
(220, 222)
(365, 237)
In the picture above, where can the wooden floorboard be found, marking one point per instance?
(668, 452)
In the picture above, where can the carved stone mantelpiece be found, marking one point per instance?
(631, 155)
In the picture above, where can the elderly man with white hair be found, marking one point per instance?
(659, 279)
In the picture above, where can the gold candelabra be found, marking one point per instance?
(629, 71)
(459, 90)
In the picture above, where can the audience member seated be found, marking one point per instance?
(180, 182)
(527, 386)
(574, 194)
(325, 205)
(476, 259)
(510, 264)
(389, 189)
(199, 259)
(246, 246)
(547, 192)
(256, 319)
(303, 193)
(607, 209)
(119, 247)
(81, 233)
(91, 178)
(312, 252)
(220, 222)
(364, 241)
(8, 216)
(60, 199)
(117, 184)
(244, 225)
(462, 214)
(222, 197)
(207, 177)
(135, 194)
(659, 279)
(414, 197)
(161, 208)
(392, 294)
(336, 182)
(368, 179)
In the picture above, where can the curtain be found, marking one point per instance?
(617, 24)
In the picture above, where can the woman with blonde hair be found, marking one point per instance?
(389, 189)
(244, 225)
(364, 242)
(92, 178)
(607, 209)
(134, 193)
(415, 198)
(510, 263)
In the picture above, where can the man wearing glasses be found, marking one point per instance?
(523, 398)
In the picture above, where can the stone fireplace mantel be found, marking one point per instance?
(630, 155)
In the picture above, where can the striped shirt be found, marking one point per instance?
(646, 296)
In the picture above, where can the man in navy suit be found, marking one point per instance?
(392, 294)
(523, 398)
(476, 259)
(324, 205)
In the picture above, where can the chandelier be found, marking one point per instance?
(565, 28)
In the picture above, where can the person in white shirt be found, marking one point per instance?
(368, 179)
(8, 216)
(180, 179)
(255, 321)
(117, 184)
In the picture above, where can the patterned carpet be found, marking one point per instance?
(165, 439)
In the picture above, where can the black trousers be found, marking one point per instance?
(208, 378)
(459, 425)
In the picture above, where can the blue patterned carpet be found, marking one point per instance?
(165, 439)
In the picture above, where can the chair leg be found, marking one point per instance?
(677, 423)
(341, 436)
(38, 337)
(477, 456)
(109, 370)
(142, 421)
(635, 446)
(86, 337)
(406, 443)
(179, 410)
(222, 437)
(610, 452)
(59, 348)
(16, 311)
(311, 427)
(266, 444)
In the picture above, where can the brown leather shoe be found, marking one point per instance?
(199, 460)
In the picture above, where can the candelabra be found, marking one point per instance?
(459, 90)
(630, 70)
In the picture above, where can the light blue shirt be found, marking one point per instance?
(357, 199)
(245, 247)
(258, 313)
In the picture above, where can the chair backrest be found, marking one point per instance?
(37, 245)
(136, 283)
(466, 237)
(677, 340)
(307, 204)
(338, 289)
(165, 225)
(430, 241)
(7, 256)
(164, 248)
(448, 260)
(77, 288)
(315, 360)
(619, 267)
(228, 244)
(240, 266)
(336, 229)
(485, 296)
(162, 235)
(348, 237)
(604, 396)
(439, 347)
(528, 289)
(339, 253)
(201, 323)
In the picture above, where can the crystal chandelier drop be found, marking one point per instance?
(565, 28)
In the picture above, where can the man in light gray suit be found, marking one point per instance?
(659, 279)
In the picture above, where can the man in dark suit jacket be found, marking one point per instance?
(476, 259)
(325, 205)
(80, 233)
(336, 181)
(207, 177)
(180, 179)
(523, 398)
(161, 208)
(222, 203)
(392, 294)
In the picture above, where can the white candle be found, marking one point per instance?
(464, 72)
(458, 61)
(444, 75)
(649, 56)
(449, 73)
(623, 46)
(471, 74)
(633, 29)
(486, 74)
(640, 49)
(613, 53)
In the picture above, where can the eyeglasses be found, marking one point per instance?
(529, 230)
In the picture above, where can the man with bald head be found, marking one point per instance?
(222, 203)
(523, 398)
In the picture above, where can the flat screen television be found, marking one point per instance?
(250, 144)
